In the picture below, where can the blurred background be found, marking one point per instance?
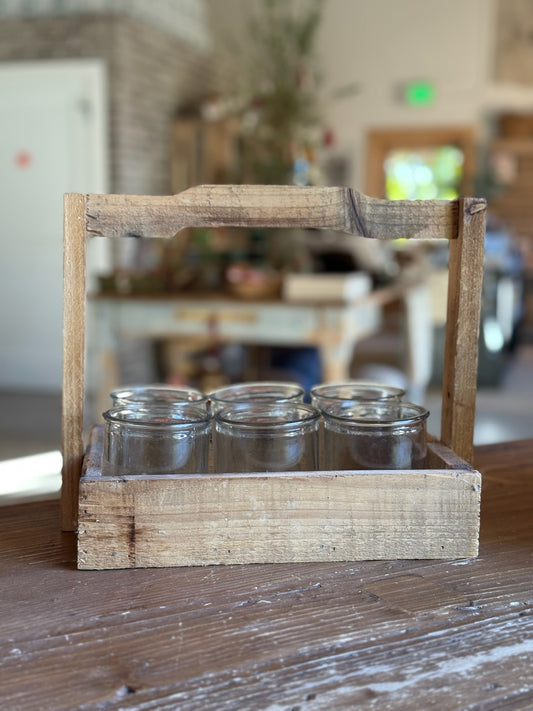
(419, 99)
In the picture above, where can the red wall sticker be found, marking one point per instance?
(23, 159)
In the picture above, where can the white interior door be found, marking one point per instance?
(52, 141)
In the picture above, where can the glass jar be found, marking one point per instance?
(327, 394)
(258, 392)
(140, 440)
(374, 435)
(266, 438)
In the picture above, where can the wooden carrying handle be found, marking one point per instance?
(326, 208)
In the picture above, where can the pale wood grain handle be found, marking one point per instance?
(277, 206)
(74, 277)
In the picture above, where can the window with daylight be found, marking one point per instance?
(424, 173)
(420, 164)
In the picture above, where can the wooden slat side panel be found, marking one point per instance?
(338, 209)
(462, 330)
(73, 355)
(92, 461)
(439, 456)
(204, 520)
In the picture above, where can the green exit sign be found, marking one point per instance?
(419, 93)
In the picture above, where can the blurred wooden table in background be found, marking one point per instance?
(335, 328)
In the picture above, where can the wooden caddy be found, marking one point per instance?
(176, 520)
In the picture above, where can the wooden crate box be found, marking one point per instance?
(152, 521)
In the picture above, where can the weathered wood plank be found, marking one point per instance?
(73, 355)
(459, 382)
(147, 521)
(338, 209)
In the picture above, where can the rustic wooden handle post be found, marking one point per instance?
(73, 355)
(462, 222)
(465, 277)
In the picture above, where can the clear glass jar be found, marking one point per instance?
(159, 396)
(374, 435)
(266, 438)
(141, 440)
(327, 394)
(258, 392)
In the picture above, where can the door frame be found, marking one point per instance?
(381, 141)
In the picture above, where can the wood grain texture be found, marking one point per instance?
(338, 209)
(459, 382)
(73, 355)
(399, 635)
(148, 521)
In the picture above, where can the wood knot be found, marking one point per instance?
(478, 206)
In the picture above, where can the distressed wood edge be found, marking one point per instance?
(134, 535)
(459, 382)
(468, 475)
(74, 278)
(92, 460)
(440, 455)
(280, 206)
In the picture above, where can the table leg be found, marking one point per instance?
(102, 361)
(339, 333)
(336, 359)
(419, 337)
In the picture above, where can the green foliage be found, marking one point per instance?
(279, 105)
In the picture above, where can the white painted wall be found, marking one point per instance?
(383, 44)
(52, 140)
(380, 45)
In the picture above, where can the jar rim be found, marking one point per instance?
(367, 414)
(259, 390)
(327, 390)
(163, 391)
(157, 417)
(279, 415)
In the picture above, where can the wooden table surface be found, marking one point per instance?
(374, 635)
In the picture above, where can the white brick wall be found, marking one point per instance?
(151, 73)
(185, 19)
